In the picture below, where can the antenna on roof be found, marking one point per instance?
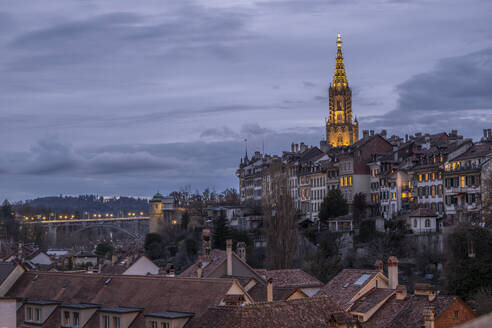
(263, 146)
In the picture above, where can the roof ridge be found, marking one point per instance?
(108, 275)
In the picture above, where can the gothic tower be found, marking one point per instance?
(341, 130)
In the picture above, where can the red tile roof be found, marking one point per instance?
(371, 299)
(307, 312)
(290, 278)
(345, 285)
(407, 313)
(153, 293)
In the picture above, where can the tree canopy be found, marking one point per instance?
(333, 205)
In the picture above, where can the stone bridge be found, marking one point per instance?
(59, 230)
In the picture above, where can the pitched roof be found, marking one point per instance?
(307, 312)
(259, 293)
(371, 299)
(476, 151)
(5, 269)
(345, 285)
(216, 258)
(290, 278)
(408, 312)
(153, 293)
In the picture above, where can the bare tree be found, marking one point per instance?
(279, 219)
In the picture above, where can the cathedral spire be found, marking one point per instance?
(339, 77)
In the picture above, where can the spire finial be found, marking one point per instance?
(340, 77)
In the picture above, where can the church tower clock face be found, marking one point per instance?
(340, 129)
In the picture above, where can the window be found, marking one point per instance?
(350, 181)
(153, 324)
(415, 223)
(66, 318)
(462, 181)
(456, 315)
(76, 320)
(427, 223)
(37, 315)
(29, 313)
(420, 177)
(116, 322)
(164, 324)
(105, 321)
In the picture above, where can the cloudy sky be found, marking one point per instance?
(130, 97)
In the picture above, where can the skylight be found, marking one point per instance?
(362, 279)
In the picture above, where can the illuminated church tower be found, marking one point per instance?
(340, 129)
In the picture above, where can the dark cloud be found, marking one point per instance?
(457, 83)
(454, 95)
(125, 97)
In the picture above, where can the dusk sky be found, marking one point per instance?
(131, 97)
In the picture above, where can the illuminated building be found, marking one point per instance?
(341, 130)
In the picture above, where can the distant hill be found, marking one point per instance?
(89, 203)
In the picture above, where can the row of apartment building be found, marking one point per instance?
(443, 172)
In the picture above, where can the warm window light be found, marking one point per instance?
(175, 222)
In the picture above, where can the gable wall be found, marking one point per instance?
(446, 319)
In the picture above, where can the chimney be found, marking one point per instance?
(485, 133)
(384, 133)
(303, 147)
(426, 290)
(429, 317)
(365, 133)
(401, 292)
(406, 137)
(199, 269)
(297, 148)
(114, 258)
(270, 290)
(490, 133)
(393, 272)
(379, 265)
(171, 271)
(292, 147)
(241, 250)
(206, 242)
(372, 132)
(229, 256)
(395, 153)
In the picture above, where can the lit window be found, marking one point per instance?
(350, 181)
(427, 177)
(462, 181)
(433, 176)
(404, 195)
(420, 177)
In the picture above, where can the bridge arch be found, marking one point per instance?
(107, 226)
